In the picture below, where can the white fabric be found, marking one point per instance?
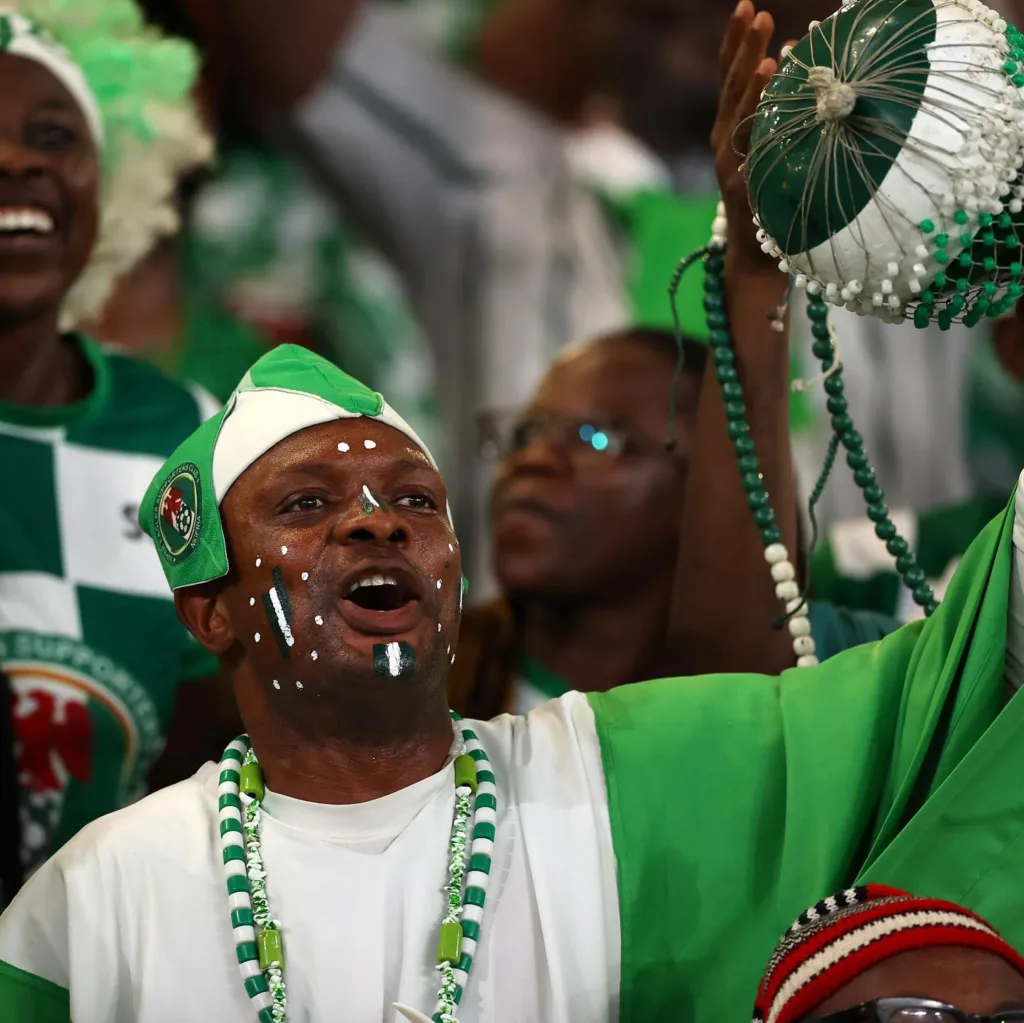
(132, 915)
(259, 418)
(46, 51)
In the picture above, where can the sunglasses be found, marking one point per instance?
(914, 1010)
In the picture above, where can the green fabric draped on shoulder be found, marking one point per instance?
(26, 998)
(736, 801)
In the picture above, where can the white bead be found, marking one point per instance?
(886, 286)
(921, 252)
(810, 661)
(784, 265)
(876, 299)
(892, 269)
(787, 590)
(803, 646)
(830, 290)
(799, 625)
(779, 326)
(813, 287)
(775, 552)
(800, 281)
(783, 571)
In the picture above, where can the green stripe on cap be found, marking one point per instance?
(799, 204)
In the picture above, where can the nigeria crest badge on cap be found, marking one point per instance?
(177, 513)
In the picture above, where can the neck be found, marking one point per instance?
(595, 645)
(321, 768)
(36, 367)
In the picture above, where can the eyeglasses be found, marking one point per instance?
(913, 1010)
(503, 432)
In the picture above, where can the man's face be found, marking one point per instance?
(969, 979)
(588, 499)
(347, 574)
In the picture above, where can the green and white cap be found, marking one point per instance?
(287, 390)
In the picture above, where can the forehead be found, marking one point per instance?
(622, 379)
(341, 446)
(25, 83)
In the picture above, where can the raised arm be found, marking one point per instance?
(725, 598)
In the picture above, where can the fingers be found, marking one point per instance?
(744, 121)
(748, 56)
(740, 21)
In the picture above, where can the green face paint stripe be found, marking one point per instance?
(275, 626)
(393, 659)
(6, 33)
(366, 506)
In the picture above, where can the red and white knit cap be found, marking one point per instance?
(842, 936)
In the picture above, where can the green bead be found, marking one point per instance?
(251, 783)
(749, 463)
(984, 219)
(873, 493)
(906, 561)
(1018, 80)
(837, 405)
(764, 517)
(945, 320)
(713, 282)
(877, 512)
(931, 607)
(770, 535)
(1013, 289)
(842, 424)
(737, 428)
(965, 261)
(864, 477)
(714, 264)
(941, 280)
(1009, 66)
(271, 948)
(817, 310)
(965, 239)
(988, 264)
(835, 385)
(724, 356)
(743, 446)
(757, 499)
(856, 460)
(725, 373)
(988, 238)
(990, 288)
(821, 334)
(720, 338)
(913, 578)
(972, 317)
(960, 216)
(714, 302)
(941, 241)
(923, 596)
(718, 321)
(732, 391)
(449, 944)
(1015, 269)
(927, 226)
(852, 440)
(465, 772)
(822, 350)
(897, 546)
(1005, 220)
(940, 256)
(885, 530)
(927, 297)
(956, 305)
(735, 410)
(921, 317)
(752, 483)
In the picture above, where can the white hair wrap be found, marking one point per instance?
(23, 38)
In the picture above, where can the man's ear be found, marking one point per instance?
(202, 610)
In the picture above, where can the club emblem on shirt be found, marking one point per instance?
(177, 514)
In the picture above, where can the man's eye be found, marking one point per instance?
(46, 135)
(307, 502)
(417, 501)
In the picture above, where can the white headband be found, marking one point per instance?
(24, 38)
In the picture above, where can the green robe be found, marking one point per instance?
(889, 763)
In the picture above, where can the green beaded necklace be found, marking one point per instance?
(260, 953)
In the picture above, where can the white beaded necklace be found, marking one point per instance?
(259, 943)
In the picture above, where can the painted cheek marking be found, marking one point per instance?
(369, 497)
(252, 600)
(256, 637)
(284, 550)
(305, 576)
(314, 655)
(259, 561)
(277, 685)
(439, 584)
(343, 446)
(319, 620)
(279, 613)
(369, 444)
(298, 685)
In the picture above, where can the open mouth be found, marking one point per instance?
(380, 593)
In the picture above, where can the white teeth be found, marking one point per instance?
(19, 219)
(373, 580)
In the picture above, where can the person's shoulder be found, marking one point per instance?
(147, 411)
(173, 826)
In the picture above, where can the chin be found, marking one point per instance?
(27, 297)
(528, 577)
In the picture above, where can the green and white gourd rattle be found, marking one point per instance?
(884, 174)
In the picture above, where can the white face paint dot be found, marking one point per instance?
(369, 444)
(298, 685)
(439, 584)
(252, 600)
(451, 548)
(314, 655)
(343, 446)
(305, 576)
(438, 626)
(284, 550)
(277, 685)
(319, 620)
(259, 561)
(256, 637)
